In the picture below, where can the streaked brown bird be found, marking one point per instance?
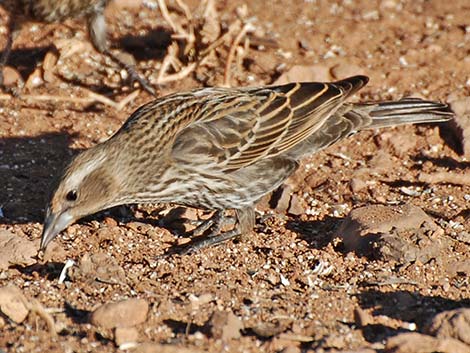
(57, 11)
(220, 149)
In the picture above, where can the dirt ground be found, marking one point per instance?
(294, 285)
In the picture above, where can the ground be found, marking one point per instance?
(292, 285)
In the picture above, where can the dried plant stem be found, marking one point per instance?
(227, 74)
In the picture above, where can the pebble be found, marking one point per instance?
(48, 65)
(281, 198)
(302, 73)
(13, 304)
(15, 250)
(150, 347)
(460, 125)
(291, 349)
(126, 313)
(408, 342)
(451, 324)
(35, 79)
(296, 207)
(357, 184)
(364, 224)
(343, 70)
(98, 267)
(225, 325)
(10, 76)
(123, 335)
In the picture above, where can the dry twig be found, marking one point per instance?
(246, 28)
(445, 178)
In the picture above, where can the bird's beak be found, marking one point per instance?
(53, 225)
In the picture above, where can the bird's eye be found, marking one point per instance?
(72, 195)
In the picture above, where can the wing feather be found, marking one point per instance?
(239, 127)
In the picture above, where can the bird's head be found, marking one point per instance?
(86, 187)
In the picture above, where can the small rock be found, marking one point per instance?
(127, 3)
(301, 73)
(361, 317)
(314, 181)
(270, 329)
(54, 253)
(381, 162)
(281, 198)
(13, 304)
(401, 144)
(451, 324)
(460, 126)
(35, 79)
(124, 335)
(48, 65)
(343, 70)
(110, 222)
(126, 313)
(11, 76)
(357, 184)
(99, 267)
(296, 207)
(409, 342)
(107, 234)
(15, 250)
(225, 325)
(198, 301)
(291, 349)
(374, 223)
(149, 347)
(455, 267)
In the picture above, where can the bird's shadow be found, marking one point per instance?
(25, 60)
(152, 45)
(28, 168)
(319, 233)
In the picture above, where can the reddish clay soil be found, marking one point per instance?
(293, 285)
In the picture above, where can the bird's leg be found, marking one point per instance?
(218, 220)
(97, 31)
(245, 221)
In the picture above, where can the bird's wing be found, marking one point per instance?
(239, 127)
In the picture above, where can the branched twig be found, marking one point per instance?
(179, 75)
(246, 28)
(211, 37)
(36, 307)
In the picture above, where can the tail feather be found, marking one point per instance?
(406, 111)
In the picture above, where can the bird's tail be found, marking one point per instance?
(405, 111)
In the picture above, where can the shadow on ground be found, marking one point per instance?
(28, 168)
(405, 306)
(318, 234)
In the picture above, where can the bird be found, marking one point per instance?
(57, 11)
(220, 149)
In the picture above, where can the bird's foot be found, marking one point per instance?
(142, 81)
(208, 233)
(134, 76)
(215, 224)
(208, 241)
